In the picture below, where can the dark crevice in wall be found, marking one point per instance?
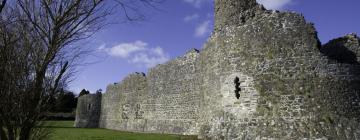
(237, 87)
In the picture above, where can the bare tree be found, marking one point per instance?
(2, 5)
(38, 51)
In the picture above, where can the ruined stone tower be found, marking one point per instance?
(262, 75)
(88, 111)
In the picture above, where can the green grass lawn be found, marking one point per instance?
(64, 130)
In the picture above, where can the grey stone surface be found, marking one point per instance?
(262, 75)
(165, 101)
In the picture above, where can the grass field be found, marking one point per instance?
(64, 130)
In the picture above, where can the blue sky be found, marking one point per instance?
(179, 25)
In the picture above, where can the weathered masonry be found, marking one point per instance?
(262, 75)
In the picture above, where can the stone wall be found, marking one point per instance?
(122, 104)
(165, 101)
(262, 75)
(172, 105)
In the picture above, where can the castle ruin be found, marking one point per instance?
(262, 74)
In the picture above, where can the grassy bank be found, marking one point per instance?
(64, 130)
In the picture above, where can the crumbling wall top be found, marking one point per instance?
(234, 11)
(344, 49)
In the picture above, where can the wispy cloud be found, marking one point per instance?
(124, 50)
(137, 52)
(203, 29)
(275, 4)
(191, 17)
(101, 47)
(151, 58)
(197, 3)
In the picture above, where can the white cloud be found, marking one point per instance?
(124, 50)
(138, 52)
(196, 3)
(275, 4)
(191, 17)
(150, 59)
(203, 29)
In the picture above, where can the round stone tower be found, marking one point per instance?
(88, 111)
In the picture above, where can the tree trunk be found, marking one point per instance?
(2, 133)
(11, 134)
(25, 133)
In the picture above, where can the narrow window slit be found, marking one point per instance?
(237, 87)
